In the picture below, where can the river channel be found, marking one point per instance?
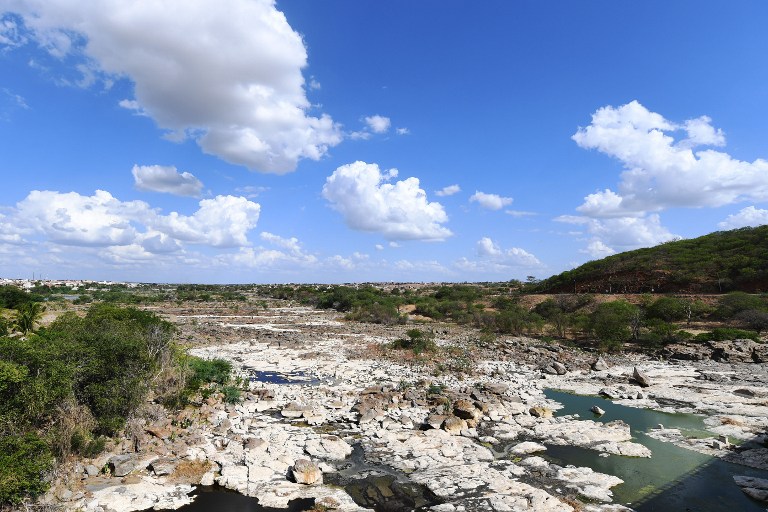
(674, 479)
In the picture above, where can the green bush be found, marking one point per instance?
(418, 341)
(668, 309)
(24, 462)
(231, 394)
(734, 303)
(614, 323)
(208, 370)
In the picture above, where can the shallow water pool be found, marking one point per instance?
(674, 479)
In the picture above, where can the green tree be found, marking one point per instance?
(614, 323)
(27, 315)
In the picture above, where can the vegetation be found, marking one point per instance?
(67, 386)
(715, 263)
(417, 341)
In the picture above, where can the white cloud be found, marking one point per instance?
(379, 247)
(399, 211)
(292, 244)
(490, 201)
(159, 178)
(749, 216)
(378, 124)
(227, 74)
(519, 213)
(621, 233)
(487, 247)
(402, 131)
(223, 221)
(597, 249)
(102, 220)
(448, 191)
(289, 255)
(661, 173)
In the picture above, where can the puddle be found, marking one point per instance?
(379, 487)
(219, 499)
(282, 377)
(673, 479)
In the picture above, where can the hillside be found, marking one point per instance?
(719, 262)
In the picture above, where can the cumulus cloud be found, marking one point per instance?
(662, 172)
(621, 233)
(102, 220)
(402, 131)
(285, 254)
(597, 249)
(490, 201)
(448, 191)
(223, 221)
(361, 192)
(378, 124)
(160, 178)
(749, 216)
(487, 248)
(226, 74)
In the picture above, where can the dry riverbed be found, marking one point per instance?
(327, 406)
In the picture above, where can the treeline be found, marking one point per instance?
(67, 388)
(715, 263)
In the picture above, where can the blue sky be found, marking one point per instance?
(254, 141)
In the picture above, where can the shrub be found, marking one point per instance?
(417, 341)
(735, 302)
(208, 370)
(24, 462)
(231, 394)
(613, 323)
(668, 309)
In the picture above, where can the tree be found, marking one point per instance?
(614, 323)
(27, 315)
(754, 319)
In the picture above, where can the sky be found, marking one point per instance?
(242, 141)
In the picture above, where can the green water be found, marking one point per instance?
(673, 479)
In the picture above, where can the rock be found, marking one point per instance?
(466, 410)
(235, 478)
(121, 465)
(527, 447)
(641, 378)
(756, 488)
(454, 425)
(163, 466)
(295, 410)
(91, 470)
(328, 447)
(496, 388)
(436, 420)
(600, 364)
(597, 410)
(540, 411)
(609, 393)
(306, 472)
(718, 445)
(559, 368)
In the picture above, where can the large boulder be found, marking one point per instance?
(466, 410)
(328, 447)
(641, 377)
(121, 465)
(306, 472)
(600, 364)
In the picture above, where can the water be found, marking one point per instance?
(673, 479)
(282, 377)
(380, 487)
(218, 499)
